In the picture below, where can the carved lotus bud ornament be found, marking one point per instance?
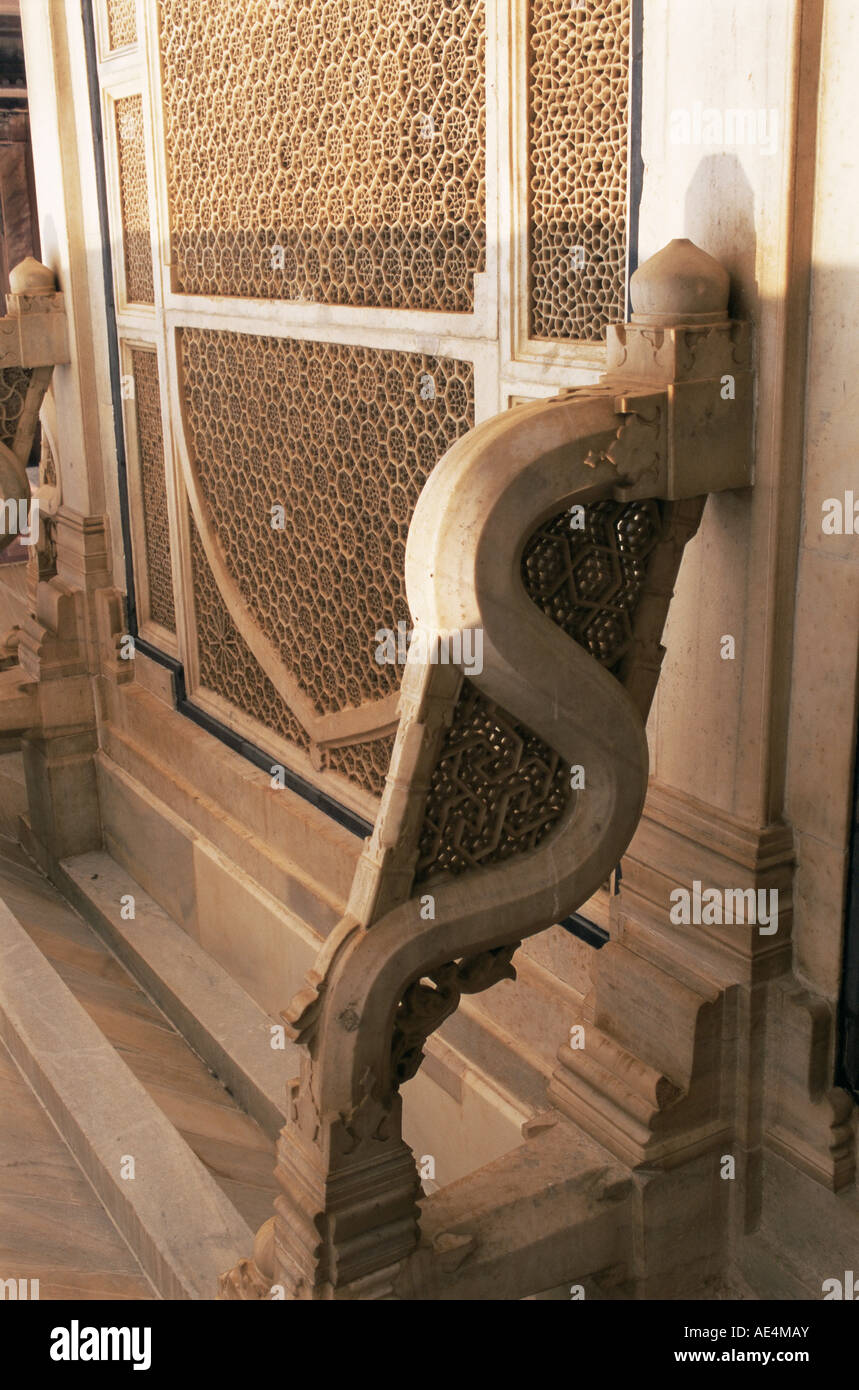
(680, 285)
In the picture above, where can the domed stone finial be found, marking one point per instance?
(681, 284)
(30, 277)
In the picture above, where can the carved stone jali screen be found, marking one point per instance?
(497, 789)
(578, 81)
(354, 142)
(312, 286)
(342, 439)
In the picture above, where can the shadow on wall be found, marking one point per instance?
(720, 182)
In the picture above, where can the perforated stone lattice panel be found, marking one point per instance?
(121, 23)
(226, 664)
(496, 792)
(590, 581)
(497, 789)
(363, 763)
(229, 668)
(332, 152)
(578, 103)
(14, 385)
(153, 487)
(134, 200)
(344, 439)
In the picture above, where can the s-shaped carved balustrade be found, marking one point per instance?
(556, 531)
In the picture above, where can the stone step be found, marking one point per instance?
(56, 1239)
(222, 1023)
(233, 1033)
(456, 1110)
(120, 1084)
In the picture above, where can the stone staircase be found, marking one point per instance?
(153, 1123)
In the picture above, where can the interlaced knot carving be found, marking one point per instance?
(590, 581)
(496, 791)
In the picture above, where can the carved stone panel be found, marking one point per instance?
(577, 128)
(346, 165)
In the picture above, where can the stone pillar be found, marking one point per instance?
(61, 646)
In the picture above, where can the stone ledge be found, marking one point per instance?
(211, 1011)
(175, 1218)
(557, 1210)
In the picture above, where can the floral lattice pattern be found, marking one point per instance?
(134, 200)
(121, 23)
(156, 525)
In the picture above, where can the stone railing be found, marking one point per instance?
(33, 339)
(548, 538)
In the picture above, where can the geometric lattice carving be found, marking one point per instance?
(14, 385)
(153, 487)
(121, 23)
(330, 151)
(578, 80)
(366, 763)
(134, 200)
(344, 439)
(496, 791)
(589, 580)
(229, 667)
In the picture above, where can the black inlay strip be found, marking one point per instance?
(585, 930)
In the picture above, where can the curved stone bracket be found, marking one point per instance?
(670, 420)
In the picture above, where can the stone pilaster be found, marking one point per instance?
(59, 650)
(671, 1077)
